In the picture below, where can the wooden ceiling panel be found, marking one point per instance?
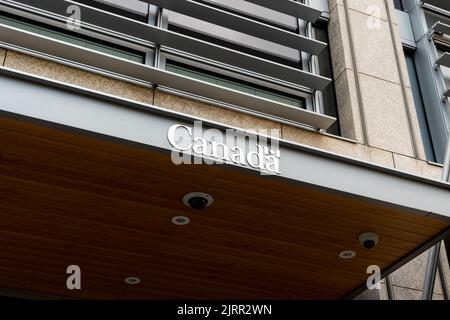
(67, 198)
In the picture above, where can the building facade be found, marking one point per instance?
(339, 119)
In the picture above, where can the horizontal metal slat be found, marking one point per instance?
(447, 93)
(256, 12)
(102, 62)
(292, 8)
(230, 38)
(238, 23)
(443, 4)
(133, 6)
(440, 27)
(181, 42)
(444, 60)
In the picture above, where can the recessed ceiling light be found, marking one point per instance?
(132, 280)
(180, 220)
(346, 255)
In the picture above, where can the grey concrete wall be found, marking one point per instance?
(375, 98)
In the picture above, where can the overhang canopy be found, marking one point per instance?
(87, 179)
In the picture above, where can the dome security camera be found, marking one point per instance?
(198, 200)
(369, 239)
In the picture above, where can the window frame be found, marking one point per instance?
(420, 105)
(430, 76)
(79, 39)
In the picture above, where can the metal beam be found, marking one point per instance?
(430, 80)
(442, 276)
(430, 272)
(292, 8)
(390, 288)
(241, 24)
(433, 256)
(446, 169)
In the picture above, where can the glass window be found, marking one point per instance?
(420, 107)
(72, 38)
(226, 82)
(237, 41)
(271, 63)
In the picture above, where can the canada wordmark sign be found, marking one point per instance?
(194, 145)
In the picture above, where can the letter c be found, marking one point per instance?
(171, 136)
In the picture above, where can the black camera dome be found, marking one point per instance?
(198, 203)
(198, 200)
